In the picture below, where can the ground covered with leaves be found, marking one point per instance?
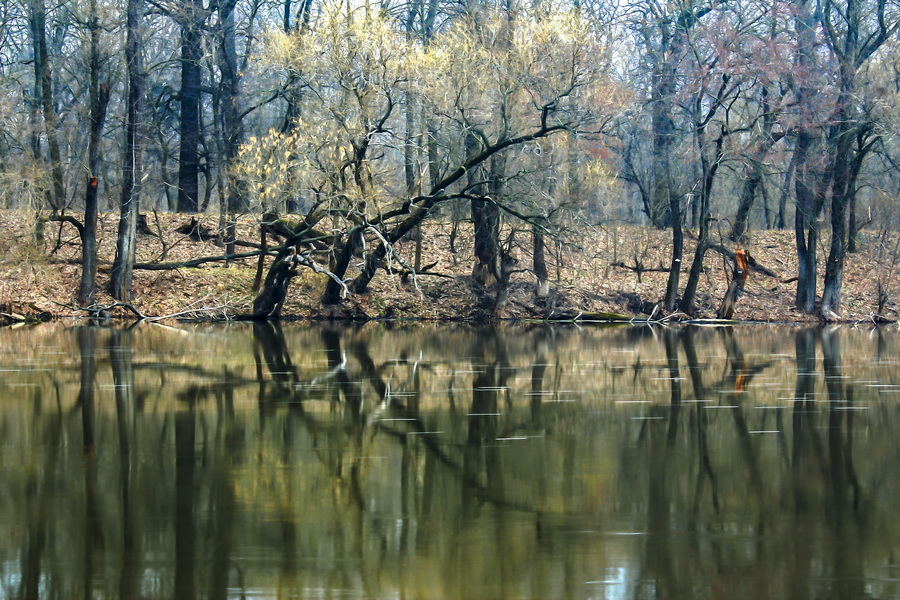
(607, 269)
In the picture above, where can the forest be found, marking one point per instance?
(340, 130)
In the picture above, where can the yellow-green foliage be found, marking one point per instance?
(355, 71)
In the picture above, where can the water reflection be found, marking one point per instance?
(281, 461)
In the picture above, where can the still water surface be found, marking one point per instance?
(301, 461)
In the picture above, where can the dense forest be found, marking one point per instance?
(342, 128)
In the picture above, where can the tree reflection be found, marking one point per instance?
(37, 497)
(93, 538)
(127, 408)
(388, 464)
(844, 499)
(278, 382)
(705, 470)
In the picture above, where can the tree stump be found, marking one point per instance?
(738, 279)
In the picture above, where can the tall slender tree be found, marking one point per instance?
(190, 16)
(44, 90)
(99, 100)
(855, 30)
(232, 122)
(132, 172)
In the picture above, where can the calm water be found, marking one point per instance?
(257, 461)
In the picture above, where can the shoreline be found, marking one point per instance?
(614, 270)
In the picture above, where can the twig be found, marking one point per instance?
(194, 262)
(97, 311)
(101, 311)
(392, 252)
(305, 259)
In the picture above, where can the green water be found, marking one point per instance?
(427, 462)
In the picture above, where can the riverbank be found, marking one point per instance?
(617, 269)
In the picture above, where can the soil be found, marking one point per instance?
(593, 274)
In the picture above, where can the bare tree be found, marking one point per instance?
(43, 75)
(132, 175)
(855, 30)
(99, 100)
(190, 16)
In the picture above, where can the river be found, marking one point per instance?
(418, 461)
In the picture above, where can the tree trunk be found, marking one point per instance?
(539, 263)
(677, 253)
(660, 213)
(805, 229)
(847, 162)
(99, 94)
(840, 192)
(126, 241)
(806, 179)
(333, 290)
(410, 170)
(271, 299)
(44, 89)
(486, 222)
(738, 279)
(189, 149)
(754, 175)
(709, 170)
(780, 220)
(233, 130)
(485, 219)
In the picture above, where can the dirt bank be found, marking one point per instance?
(595, 275)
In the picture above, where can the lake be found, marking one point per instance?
(416, 461)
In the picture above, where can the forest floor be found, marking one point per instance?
(593, 275)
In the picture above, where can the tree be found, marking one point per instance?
(807, 179)
(760, 146)
(43, 75)
(132, 176)
(191, 16)
(99, 100)
(855, 30)
(346, 155)
(663, 31)
(232, 119)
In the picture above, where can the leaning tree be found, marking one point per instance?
(484, 95)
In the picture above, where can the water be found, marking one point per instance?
(420, 462)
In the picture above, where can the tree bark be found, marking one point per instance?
(806, 178)
(709, 173)
(235, 200)
(485, 218)
(333, 290)
(539, 263)
(271, 299)
(44, 89)
(660, 213)
(99, 94)
(126, 241)
(853, 46)
(805, 226)
(754, 175)
(677, 253)
(738, 279)
(189, 148)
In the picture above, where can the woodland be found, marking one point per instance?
(541, 160)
